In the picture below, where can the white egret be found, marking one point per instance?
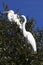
(12, 17)
(28, 35)
(15, 18)
(10, 14)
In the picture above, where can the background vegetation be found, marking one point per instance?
(14, 49)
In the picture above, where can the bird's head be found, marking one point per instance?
(10, 11)
(10, 14)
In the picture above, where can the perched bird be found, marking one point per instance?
(28, 35)
(15, 18)
(12, 17)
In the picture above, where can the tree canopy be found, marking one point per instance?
(14, 49)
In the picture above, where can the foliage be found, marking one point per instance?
(14, 49)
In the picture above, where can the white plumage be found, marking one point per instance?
(12, 17)
(28, 35)
(15, 18)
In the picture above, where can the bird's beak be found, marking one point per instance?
(5, 12)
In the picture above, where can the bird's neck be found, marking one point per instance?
(24, 30)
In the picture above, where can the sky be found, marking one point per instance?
(30, 8)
